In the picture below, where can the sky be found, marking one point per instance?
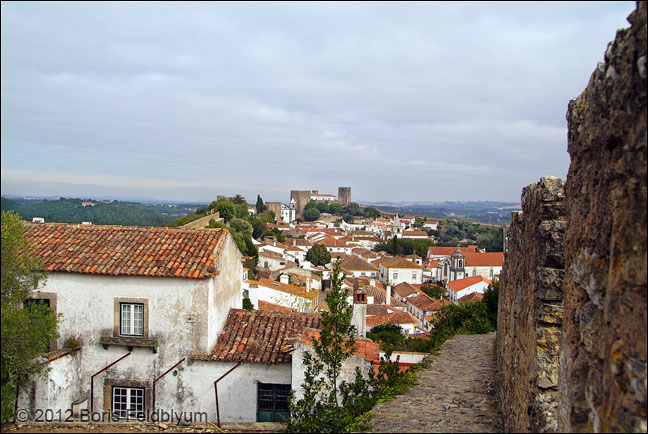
(399, 101)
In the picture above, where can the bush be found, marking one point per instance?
(311, 214)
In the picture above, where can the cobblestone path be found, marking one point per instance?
(455, 394)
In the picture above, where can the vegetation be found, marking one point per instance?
(389, 335)
(433, 290)
(28, 331)
(404, 246)
(318, 255)
(328, 403)
(247, 304)
(464, 232)
(103, 213)
(260, 206)
(468, 318)
(351, 210)
(311, 214)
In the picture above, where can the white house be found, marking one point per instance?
(468, 285)
(303, 299)
(431, 224)
(396, 270)
(353, 266)
(145, 298)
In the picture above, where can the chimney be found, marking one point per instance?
(308, 284)
(372, 282)
(388, 301)
(359, 318)
(284, 278)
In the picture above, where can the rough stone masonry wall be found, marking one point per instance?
(530, 310)
(601, 373)
(603, 356)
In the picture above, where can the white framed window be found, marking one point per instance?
(128, 402)
(395, 276)
(413, 275)
(132, 319)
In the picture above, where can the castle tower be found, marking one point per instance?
(344, 195)
(301, 198)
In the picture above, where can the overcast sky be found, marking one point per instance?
(399, 101)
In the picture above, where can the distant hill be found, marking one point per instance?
(64, 210)
(483, 212)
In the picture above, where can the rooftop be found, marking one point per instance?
(127, 250)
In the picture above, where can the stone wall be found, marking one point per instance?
(588, 373)
(603, 359)
(530, 309)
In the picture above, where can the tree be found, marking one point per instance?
(247, 304)
(433, 290)
(260, 206)
(328, 404)
(348, 218)
(226, 210)
(318, 255)
(26, 332)
(242, 226)
(335, 208)
(322, 206)
(491, 298)
(389, 335)
(311, 214)
(238, 199)
(371, 212)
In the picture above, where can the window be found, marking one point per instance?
(132, 319)
(414, 276)
(34, 303)
(395, 276)
(272, 402)
(128, 402)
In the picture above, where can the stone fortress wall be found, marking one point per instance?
(572, 322)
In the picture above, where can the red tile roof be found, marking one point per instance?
(473, 296)
(414, 234)
(427, 304)
(488, 259)
(260, 337)
(391, 318)
(127, 250)
(458, 285)
(266, 306)
(405, 289)
(449, 251)
(398, 262)
(354, 263)
(365, 348)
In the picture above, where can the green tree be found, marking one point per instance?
(432, 290)
(238, 199)
(226, 210)
(389, 335)
(329, 404)
(25, 331)
(491, 298)
(247, 304)
(311, 214)
(318, 255)
(322, 206)
(335, 208)
(242, 226)
(348, 218)
(371, 212)
(260, 206)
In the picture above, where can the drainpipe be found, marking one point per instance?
(160, 377)
(30, 370)
(216, 391)
(92, 381)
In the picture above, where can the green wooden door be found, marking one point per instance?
(272, 402)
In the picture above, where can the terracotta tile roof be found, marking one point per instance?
(127, 250)
(404, 289)
(427, 304)
(391, 318)
(377, 309)
(473, 296)
(414, 234)
(260, 337)
(266, 306)
(488, 259)
(354, 263)
(380, 296)
(398, 262)
(449, 251)
(365, 348)
(458, 285)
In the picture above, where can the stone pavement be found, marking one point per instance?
(455, 394)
